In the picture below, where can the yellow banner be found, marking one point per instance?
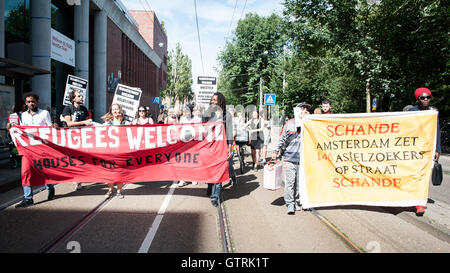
(380, 159)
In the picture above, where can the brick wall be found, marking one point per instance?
(137, 70)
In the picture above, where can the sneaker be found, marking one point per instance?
(291, 210)
(181, 184)
(25, 203)
(420, 210)
(51, 194)
(108, 194)
(119, 194)
(298, 207)
(215, 203)
(194, 183)
(78, 186)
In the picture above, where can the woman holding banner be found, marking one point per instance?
(114, 117)
(141, 117)
(217, 111)
(171, 117)
(423, 97)
(186, 118)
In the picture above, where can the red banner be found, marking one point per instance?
(126, 153)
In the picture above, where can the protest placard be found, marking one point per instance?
(74, 82)
(129, 98)
(382, 159)
(14, 119)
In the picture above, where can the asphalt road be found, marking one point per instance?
(156, 217)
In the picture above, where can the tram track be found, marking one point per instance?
(224, 230)
(225, 236)
(344, 238)
(56, 243)
(69, 232)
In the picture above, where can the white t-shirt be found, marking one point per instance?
(184, 119)
(197, 119)
(116, 122)
(40, 118)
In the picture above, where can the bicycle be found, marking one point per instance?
(14, 157)
(241, 140)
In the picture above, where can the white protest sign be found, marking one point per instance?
(74, 83)
(205, 89)
(298, 116)
(128, 98)
(13, 119)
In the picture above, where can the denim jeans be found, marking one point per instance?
(217, 188)
(28, 191)
(215, 192)
(231, 171)
(291, 187)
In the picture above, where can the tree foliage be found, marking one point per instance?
(343, 50)
(179, 76)
(249, 57)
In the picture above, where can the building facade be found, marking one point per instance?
(43, 41)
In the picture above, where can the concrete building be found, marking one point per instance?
(43, 41)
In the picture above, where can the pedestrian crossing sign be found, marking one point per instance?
(155, 100)
(270, 99)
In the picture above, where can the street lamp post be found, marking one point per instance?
(261, 83)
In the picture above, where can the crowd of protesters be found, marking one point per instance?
(258, 127)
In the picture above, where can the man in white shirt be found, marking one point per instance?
(35, 117)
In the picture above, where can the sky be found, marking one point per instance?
(217, 20)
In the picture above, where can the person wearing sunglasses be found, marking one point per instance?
(141, 117)
(423, 97)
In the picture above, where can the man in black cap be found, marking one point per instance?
(289, 147)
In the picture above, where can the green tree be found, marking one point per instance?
(331, 57)
(413, 37)
(252, 55)
(179, 76)
(346, 50)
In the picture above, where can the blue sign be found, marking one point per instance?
(270, 99)
(155, 100)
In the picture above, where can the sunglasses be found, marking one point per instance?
(142, 111)
(425, 97)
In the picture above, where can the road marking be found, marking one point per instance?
(154, 228)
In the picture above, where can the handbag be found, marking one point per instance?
(241, 136)
(273, 175)
(436, 175)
